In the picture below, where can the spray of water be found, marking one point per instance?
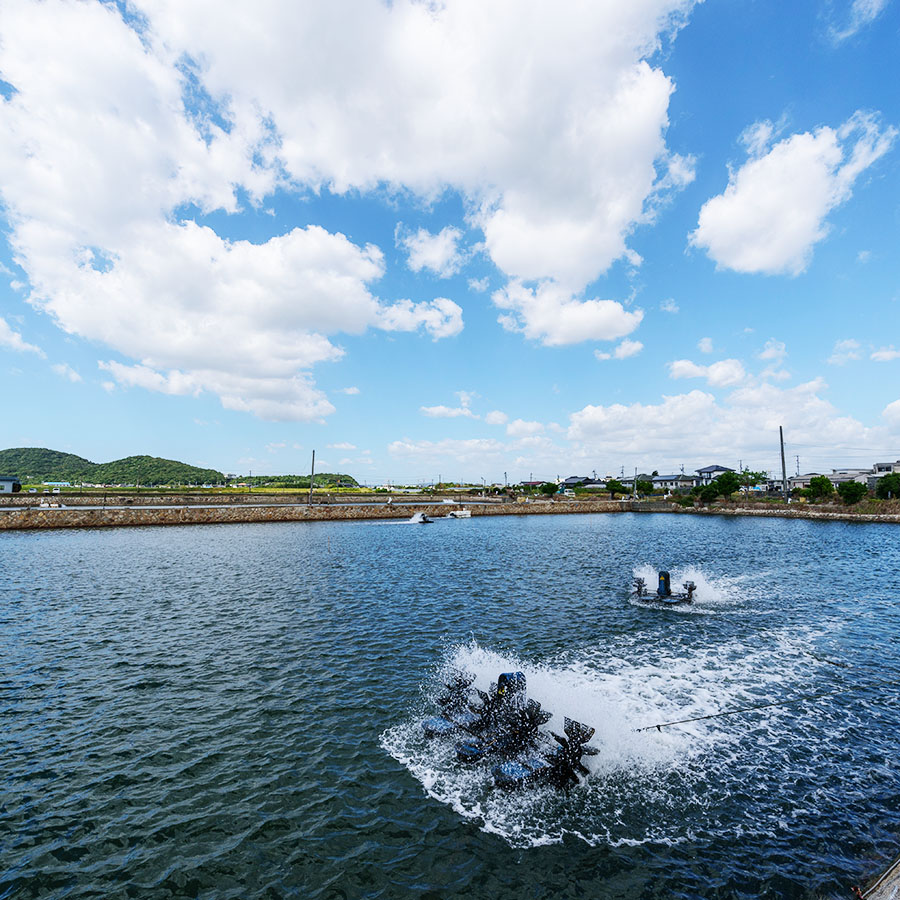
(641, 783)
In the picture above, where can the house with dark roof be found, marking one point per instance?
(708, 474)
(680, 482)
(9, 484)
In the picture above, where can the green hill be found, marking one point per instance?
(33, 465)
(38, 464)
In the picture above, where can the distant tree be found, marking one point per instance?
(852, 491)
(645, 487)
(614, 486)
(820, 487)
(750, 479)
(709, 492)
(654, 473)
(727, 483)
(548, 488)
(888, 487)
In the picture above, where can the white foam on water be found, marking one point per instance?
(616, 690)
(713, 594)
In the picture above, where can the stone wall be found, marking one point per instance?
(73, 517)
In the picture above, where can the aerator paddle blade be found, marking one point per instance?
(578, 733)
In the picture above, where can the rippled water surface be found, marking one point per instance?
(233, 711)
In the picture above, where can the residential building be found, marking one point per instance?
(9, 484)
(708, 474)
(680, 482)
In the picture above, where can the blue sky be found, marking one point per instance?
(457, 240)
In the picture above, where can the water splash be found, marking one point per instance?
(642, 784)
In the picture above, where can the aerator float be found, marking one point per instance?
(663, 592)
(505, 727)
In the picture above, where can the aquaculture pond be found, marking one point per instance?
(235, 711)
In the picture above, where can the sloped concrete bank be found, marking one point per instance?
(37, 518)
(18, 519)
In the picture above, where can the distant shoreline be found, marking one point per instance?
(196, 511)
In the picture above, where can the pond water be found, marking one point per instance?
(234, 711)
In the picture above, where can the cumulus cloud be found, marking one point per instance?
(64, 370)
(773, 211)
(552, 315)
(843, 352)
(773, 350)
(496, 417)
(745, 423)
(479, 285)
(447, 412)
(705, 345)
(104, 151)
(724, 373)
(559, 149)
(438, 253)
(343, 445)
(885, 354)
(520, 428)
(892, 413)
(625, 349)
(862, 13)
(669, 306)
(350, 391)
(12, 340)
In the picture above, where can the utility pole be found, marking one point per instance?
(634, 486)
(783, 469)
(250, 482)
(505, 479)
(798, 464)
(312, 476)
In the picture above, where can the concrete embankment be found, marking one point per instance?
(38, 517)
(20, 518)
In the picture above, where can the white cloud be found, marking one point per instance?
(558, 149)
(438, 253)
(705, 345)
(519, 428)
(440, 317)
(64, 370)
(725, 373)
(552, 315)
(275, 446)
(774, 350)
(744, 425)
(625, 349)
(864, 256)
(496, 417)
(885, 354)
(104, 149)
(892, 413)
(843, 352)
(774, 210)
(349, 390)
(342, 446)
(12, 340)
(447, 412)
(862, 13)
(479, 285)
(669, 306)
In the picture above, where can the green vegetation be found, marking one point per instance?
(888, 487)
(614, 486)
(751, 479)
(548, 488)
(301, 482)
(852, 491)
(645, 487)
(820, 487)
(37, 464)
